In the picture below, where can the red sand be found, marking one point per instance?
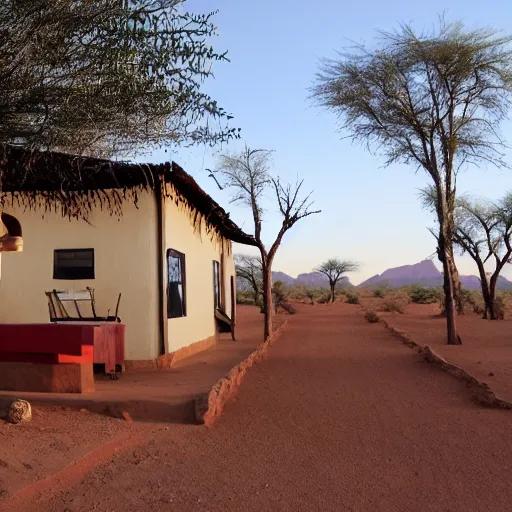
(340, 417)
(486, 345)
(56, 437)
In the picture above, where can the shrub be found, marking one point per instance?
(424, 295)
(245, 297)
(372, 317)
(395, 305)
(352, 298)
(380, 292)
(471, 300)
(499, 308)
(479, 309)
(324, 298)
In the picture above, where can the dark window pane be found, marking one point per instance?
(176, 289)
(216, 283)
(73, 264)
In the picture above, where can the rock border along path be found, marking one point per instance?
(209, 406)
(482, 392)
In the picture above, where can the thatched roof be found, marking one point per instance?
(51, 180)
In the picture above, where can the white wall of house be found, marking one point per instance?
(201, 249)
(125, 252)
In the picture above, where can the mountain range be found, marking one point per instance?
(425, 273)
(311, 279)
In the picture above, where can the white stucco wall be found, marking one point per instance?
(125, 262)
(200, 251)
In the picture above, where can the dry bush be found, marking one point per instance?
(479, 308)
(393, 305)
(381, 291)
(499, 307)
(352, 297)
(245, 297)
(396, 302)
(471, 301)
(372, 317)
(324, 298)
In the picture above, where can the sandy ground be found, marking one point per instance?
(54, 438)
(340, 417)
(59, 436)
(486, 350)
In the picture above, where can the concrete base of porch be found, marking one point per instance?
(161, 395)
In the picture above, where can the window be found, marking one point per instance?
(216, 284)
(73, 264)
(176, 286)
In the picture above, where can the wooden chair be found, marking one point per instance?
(59, 313)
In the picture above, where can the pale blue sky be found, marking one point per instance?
(369, 213)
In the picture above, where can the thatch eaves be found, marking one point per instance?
(77, 185)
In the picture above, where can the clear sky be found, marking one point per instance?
(369, 213)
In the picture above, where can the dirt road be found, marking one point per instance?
(341, 417)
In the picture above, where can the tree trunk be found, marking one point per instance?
(256, 295)
(446, 249)
(333, 295)
(267, 300)
(457, 289)
(457, 293)
(486, 292)
(492, 297)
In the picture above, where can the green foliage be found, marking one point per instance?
(245, 297)
(424, 295)
(352, 297)
(380, 292)
(372, 317)
(324, 298)
(108, 76)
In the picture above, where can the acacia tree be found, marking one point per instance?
(434, 100)
(249, 174)
(106, 77)
(334, 269)
(483, 230)
(249, 268)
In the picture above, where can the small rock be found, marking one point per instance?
(491, 374)
(19, 411)
(126, 416)
(84, 410)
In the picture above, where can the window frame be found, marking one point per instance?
(216, 289)
(71, 273)
(183, 267)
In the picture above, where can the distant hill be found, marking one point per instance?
(284, 278)
(316, 280)
(311, 279)
(425, 273)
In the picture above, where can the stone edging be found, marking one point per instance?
(482, 393)
(209, 406)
